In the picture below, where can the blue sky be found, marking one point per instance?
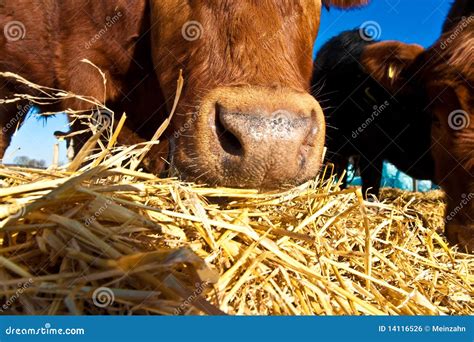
(410, 21)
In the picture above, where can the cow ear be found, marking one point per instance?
(345, 3)
(387, 62)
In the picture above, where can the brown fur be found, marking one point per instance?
(460, 10)
(448, 76)
(245, 48)
(386, 60)
(392, 130)
(441, 80)
(445, 74)
(344, 3)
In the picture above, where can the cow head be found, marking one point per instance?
(406, 119)
(365, 108)
(388, 61)
(448, 77)
(441, 78)
(245, 118)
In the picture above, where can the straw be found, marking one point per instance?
(99, 236)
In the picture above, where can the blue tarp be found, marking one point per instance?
(394, 178)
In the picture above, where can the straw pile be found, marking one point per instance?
(102, 237)
(164, 247)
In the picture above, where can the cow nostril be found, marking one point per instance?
(228, 141)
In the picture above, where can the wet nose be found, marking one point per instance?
(254, 133)
(268, 141)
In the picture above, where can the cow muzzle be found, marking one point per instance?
(253, 138)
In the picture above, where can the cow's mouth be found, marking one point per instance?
(252, 138)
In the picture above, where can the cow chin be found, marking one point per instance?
(251, 137)
(461, 235)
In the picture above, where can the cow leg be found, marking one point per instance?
(371, 174)
(5, 133)
(90, 83)
(85, 80)
(12, 116)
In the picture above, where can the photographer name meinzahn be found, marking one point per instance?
(445, 328)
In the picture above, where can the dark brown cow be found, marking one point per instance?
(443, 79)
(364, 119)
(448, 77)
(245, 118)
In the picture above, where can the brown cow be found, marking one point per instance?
(245, 118)
(443, 79)
(448, 77)
(365, 121)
